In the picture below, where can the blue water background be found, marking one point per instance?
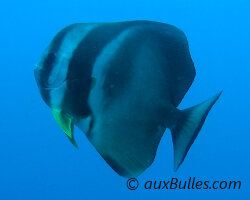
(36, 159)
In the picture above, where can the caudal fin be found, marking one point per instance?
(187, 128)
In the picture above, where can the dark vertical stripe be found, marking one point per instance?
(42, 74)
(81, 66)
(51, 60)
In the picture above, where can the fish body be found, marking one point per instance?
(121, 83)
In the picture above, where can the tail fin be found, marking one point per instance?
(188, 127)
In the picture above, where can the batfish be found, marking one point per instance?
(121, 84)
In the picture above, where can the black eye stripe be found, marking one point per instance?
(50, 59)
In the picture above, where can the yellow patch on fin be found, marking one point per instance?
(65, 123)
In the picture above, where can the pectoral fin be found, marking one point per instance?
(65, 123)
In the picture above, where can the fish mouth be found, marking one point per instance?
(38, 73)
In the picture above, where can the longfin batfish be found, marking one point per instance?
(121, 83)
